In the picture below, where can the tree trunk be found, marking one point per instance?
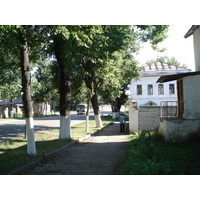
(26, 83)
(95, 107)
(65, 94)
(87, 115)
(65, 97)
(116, 106)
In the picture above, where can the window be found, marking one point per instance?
(160, 89)
(171, 89)
(150, 89)
(139, 89)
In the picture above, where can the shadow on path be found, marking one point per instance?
(94, 156)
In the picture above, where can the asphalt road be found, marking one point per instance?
(16, 128)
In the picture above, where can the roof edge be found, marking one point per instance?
(174, 77)
(191, 31)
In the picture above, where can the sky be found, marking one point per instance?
(177, 46)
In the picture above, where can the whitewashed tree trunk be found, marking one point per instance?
(65, 127)
(115, 115)
(87, 123)
(31, 148)
(26, 95)
(95, 106)
(65, 93)
(87, 114)
(98, 121)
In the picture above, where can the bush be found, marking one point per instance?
(18, 115)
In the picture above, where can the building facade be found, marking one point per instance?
(195, 32)
(187, 125)
(147, 92)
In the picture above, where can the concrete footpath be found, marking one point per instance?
(102, 154)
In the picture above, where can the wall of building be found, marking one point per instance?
(155, 97)
(177, 130)
(41, 108)
(196, 39)
(149, 117)
(144, 118)
(3, 112)
(191, 97)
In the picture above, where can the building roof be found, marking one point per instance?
(3, 102)
(17, 101)
(173, 77)
(161, 68)
(191, 31)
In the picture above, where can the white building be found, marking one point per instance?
(146, 91)
(187, 123)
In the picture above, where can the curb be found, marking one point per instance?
(52, 154)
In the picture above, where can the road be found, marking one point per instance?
(16, 128)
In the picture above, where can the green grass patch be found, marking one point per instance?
(13, 153)
(78, 131)
(148, 154)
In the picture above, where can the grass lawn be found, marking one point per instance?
(13, 153)
(148, 154)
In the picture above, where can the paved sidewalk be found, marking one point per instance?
(101, 154)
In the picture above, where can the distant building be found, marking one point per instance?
(147, 92)
(8, 109)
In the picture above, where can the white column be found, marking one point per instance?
(133, 116)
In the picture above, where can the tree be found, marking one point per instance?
(19, 53)
(97, 55)
(9, 68)
(85, 53)
(95, 63)
(44, 84)
(65, 94)
(27, 44)
(26, 97)
(69, 42)
(116, 93)
(66, 42)
(153, 33)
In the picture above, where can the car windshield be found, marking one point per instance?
(81, 106)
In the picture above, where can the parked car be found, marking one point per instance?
(81, 109)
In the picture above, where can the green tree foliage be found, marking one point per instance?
(44, 84)
(18, 45)
(98, 66)
(89, 53)
(152, 33)
(116, 91)
(97, 55)
(9, 59)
